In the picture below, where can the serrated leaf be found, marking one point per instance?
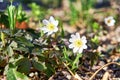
(23, 65)
(38, 65)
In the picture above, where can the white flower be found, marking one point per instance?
(50, 26)
(77, 43)
(109, 21)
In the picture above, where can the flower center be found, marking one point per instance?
(109, 21)
(51, 27)
(78, 43)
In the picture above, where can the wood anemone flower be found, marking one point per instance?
(50, 26)
(77, 43)
(109, 21)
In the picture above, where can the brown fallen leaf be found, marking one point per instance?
(21, 25)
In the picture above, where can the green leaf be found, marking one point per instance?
(8, 67)
(10, 51)
(37, 51)
(4, 19)
(66, 56)
(23, 65)
(50, 70)
(22, 48)
(76, 61)
(95, 39)
(11, 13)
(12, 74)
(22, 40)
(20, 75)
(2, 38)
(95, 26)
(38, 65)
(13, 44)
(62, 29)
(20, 15)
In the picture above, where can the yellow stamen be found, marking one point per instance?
(51, 27)
(109, 21)
(78, 43)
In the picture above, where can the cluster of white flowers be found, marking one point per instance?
(77, 43)
(109, 21)
(51, 26)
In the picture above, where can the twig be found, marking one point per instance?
(69, 69)
(91, 78)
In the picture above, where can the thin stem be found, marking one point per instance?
(91, 78)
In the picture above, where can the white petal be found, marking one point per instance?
(110, 24)
(71, 46)
(45, 22)
(84, 46)
(105, 19)
(44, 29)
(73, 36)
(77, 35)
(84, 41)
(113, 21)
(80, 50)
(75, 50)
(56, 29)
(72, 40)
(83, 38)
(110, 17)
(51, 19)
(49, 33)
(56, 23)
